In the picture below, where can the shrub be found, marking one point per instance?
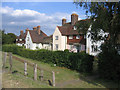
(81, 62)
(109, 63)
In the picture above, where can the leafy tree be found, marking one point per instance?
(13, 37)
(103, 15)
(8, 38)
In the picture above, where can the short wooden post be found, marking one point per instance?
(10, 61)
(25, 68)
(4, 59)
(35, 71)
(41, 77)
(53, 78)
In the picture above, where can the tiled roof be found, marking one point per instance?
(68, 29)
(48, 39)
(36, 38)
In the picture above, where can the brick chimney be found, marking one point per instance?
(74, 18)
(38, 29)
(27, 30)
(21, 32)
(34, 28)
(63, 21)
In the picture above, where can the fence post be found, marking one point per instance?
(25, 68)
(41, 77)
(35, 71)
(53, 78)
(4, 59)
(10, 61)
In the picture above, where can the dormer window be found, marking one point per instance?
(75, 28)
(70, 37)
(20, 39)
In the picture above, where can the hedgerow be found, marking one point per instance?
(81, 62)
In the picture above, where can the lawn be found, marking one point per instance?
(64, 78)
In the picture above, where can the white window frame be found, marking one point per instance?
(78, 37)
(20, 39)
(56, 46)
(70, 37)
(56, 37)
(27, 38)
(75, 28)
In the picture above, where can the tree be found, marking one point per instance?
(8, 38)
(103, 15)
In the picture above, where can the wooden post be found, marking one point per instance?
(4, 59)
(35, 71)
(41, 77)
(10, 61)
(25, 68)
(53, 78)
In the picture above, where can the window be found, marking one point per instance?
(20, 39)
(16, 39)
(70, 37)
(84, 36)
(56, 46)
(56, 37)
(75, 28)
(78, 37)
(28, 38)
(94, 48)
(71, 47)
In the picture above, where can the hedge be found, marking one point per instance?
(81, 62)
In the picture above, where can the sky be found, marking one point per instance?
(18, 16)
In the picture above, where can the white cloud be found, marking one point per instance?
(21, 19)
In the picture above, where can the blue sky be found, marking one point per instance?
(18, 16)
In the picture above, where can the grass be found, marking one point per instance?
(64, 78)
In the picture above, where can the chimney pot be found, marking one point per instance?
(34, 28)
(38, 29)
(74, 18)
(63, 21)
(21, 32)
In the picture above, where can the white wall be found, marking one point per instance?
(47, 46)
(19, 44)
(62, 40)
(29, 44)
(89, 43)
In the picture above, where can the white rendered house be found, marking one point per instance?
(34, 39)
(67, 37)
(37, 39)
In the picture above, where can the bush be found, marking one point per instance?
(81, 62)
(109, 63)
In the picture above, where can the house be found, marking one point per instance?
(67, 36)
(34, 39)
(20, 40)
(37, 39)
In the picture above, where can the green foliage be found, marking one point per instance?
(8, 38)
(81, 62)
(103, 15)
(109, 63)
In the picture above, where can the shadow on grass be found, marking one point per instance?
(94, 79)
